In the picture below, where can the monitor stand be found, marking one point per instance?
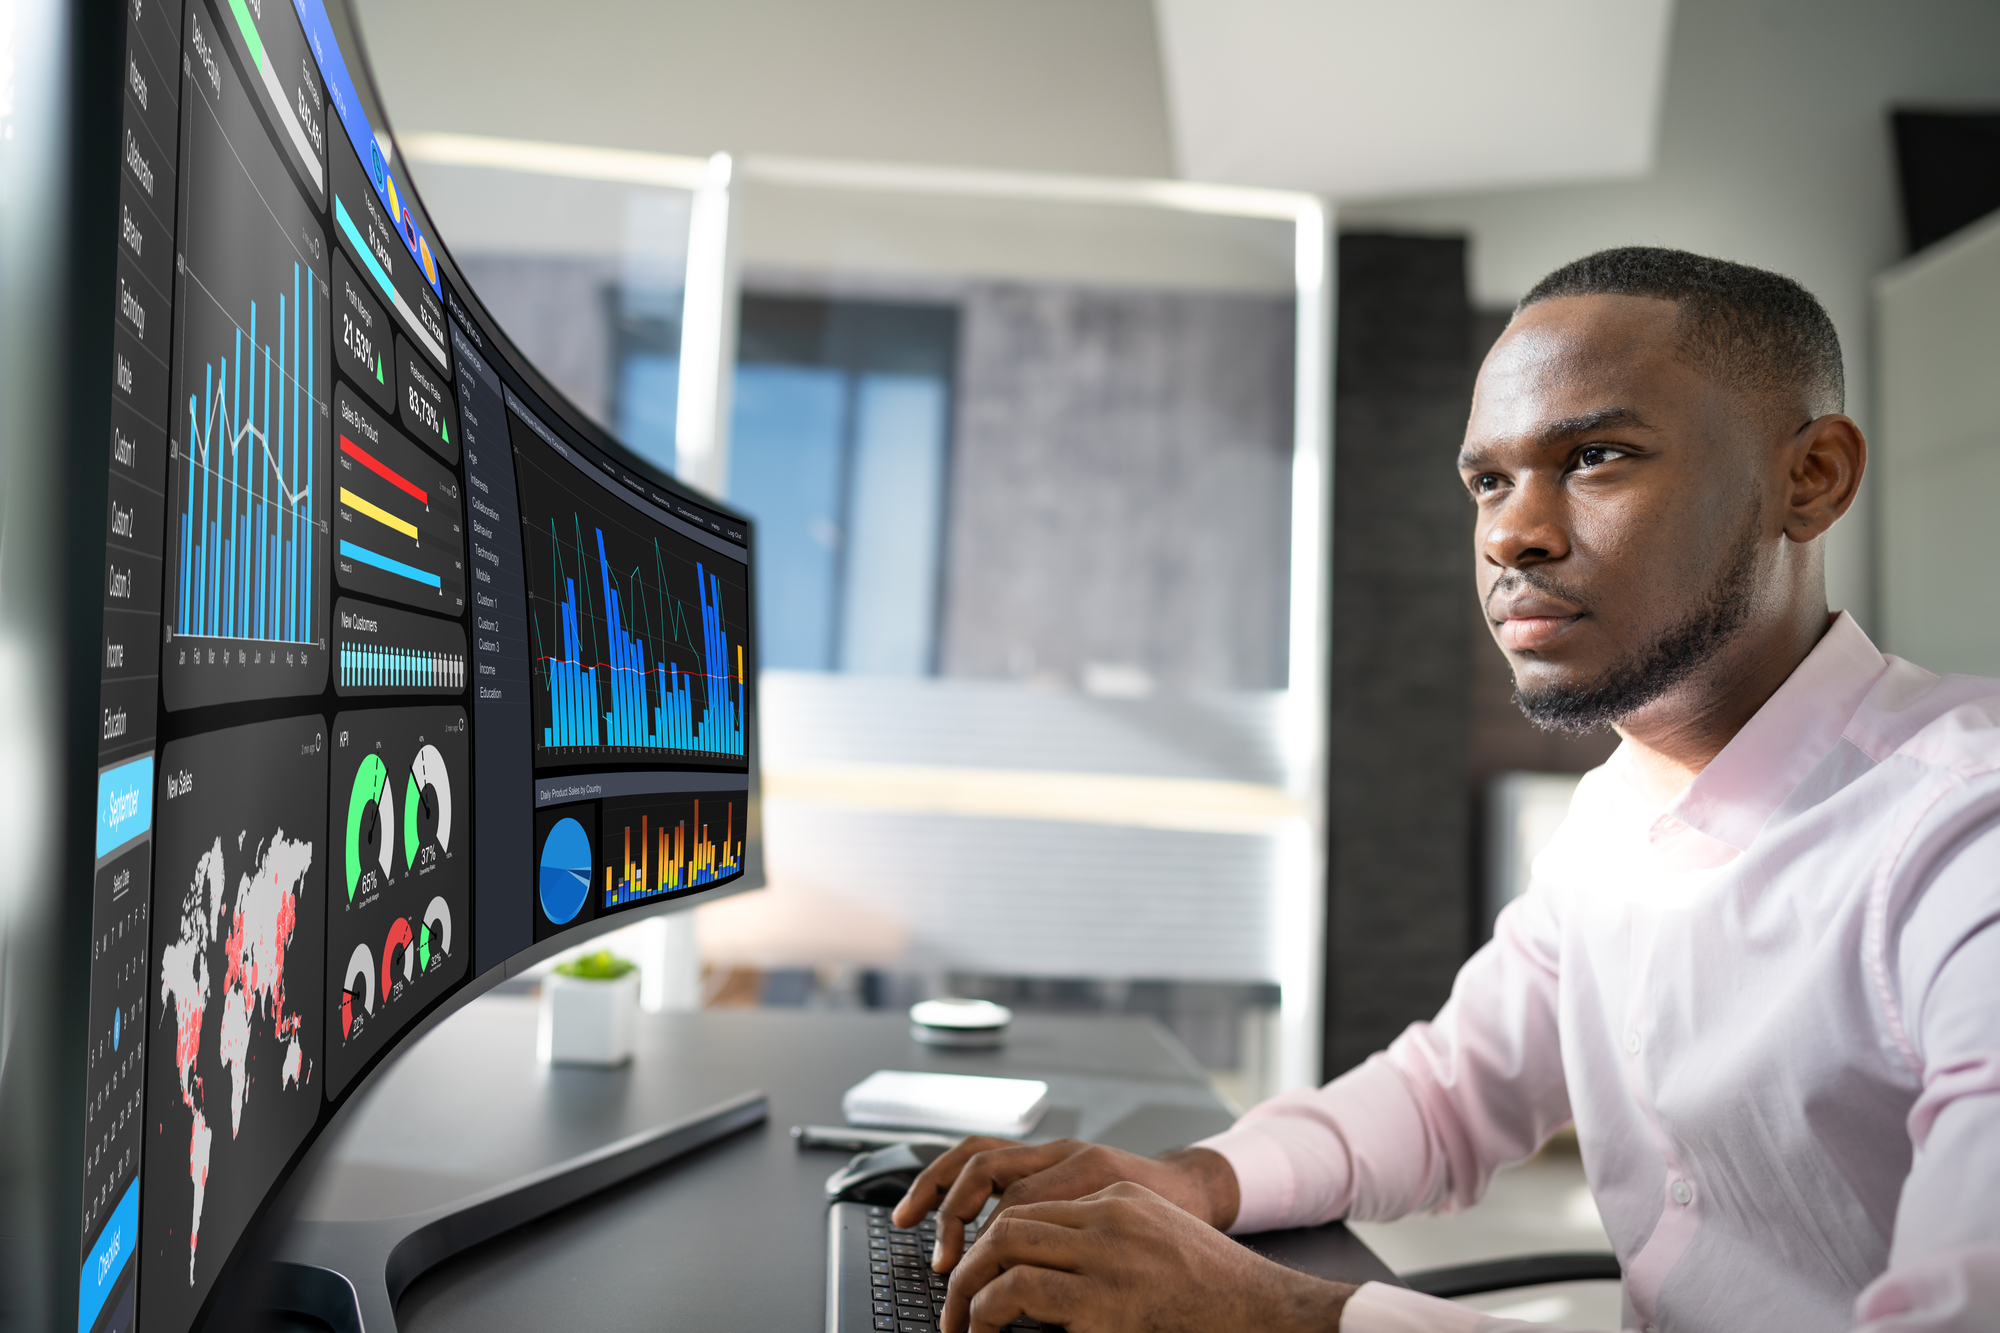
(350, 1274)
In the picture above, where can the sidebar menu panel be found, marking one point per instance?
(502, 917)
(129, 662)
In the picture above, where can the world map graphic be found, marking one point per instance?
(244, 935)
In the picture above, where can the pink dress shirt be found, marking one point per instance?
(1771, 1008)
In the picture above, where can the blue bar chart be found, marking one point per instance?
(637, 631)
(246, 528)
(382, 650)
(247, 525)
(639, 696)
(364, 666)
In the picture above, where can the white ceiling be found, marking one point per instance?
(1363, 99)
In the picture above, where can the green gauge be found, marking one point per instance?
(426, 807)
(434, 935)
(371, 821)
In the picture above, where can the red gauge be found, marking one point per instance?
(399, 941)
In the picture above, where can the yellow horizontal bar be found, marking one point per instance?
(376, 512)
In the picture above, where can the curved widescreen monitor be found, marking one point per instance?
(410, 677)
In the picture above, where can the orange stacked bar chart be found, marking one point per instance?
(655, 845)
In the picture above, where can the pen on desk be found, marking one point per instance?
(846, 1138)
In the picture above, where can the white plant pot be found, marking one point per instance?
(588, 1022)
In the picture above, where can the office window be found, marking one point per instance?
(839, 443)
(645, 385)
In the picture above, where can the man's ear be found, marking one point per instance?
(1824, 462)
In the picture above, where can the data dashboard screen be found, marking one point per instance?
(409, 675)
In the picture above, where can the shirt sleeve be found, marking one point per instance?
(1944, 1256)
(1380, 1308)
(1424, 1124)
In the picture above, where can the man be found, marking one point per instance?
(1759, 966)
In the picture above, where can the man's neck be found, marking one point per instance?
(1672, 740)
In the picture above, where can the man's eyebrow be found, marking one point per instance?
(1473, 456)
(1603, 418)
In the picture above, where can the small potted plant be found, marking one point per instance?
(590, 1011)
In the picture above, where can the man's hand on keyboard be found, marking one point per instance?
(1125, 1260)
(959, 1183)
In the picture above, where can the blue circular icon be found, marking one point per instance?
(565, 880)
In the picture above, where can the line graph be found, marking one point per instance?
(246, 525)
(636, 699)
(248, 512)
(638, 633)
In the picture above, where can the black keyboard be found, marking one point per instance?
(879, 1278)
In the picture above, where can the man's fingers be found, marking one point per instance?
(935, 1179)
(1013, 1241)
(1045, 1294)
(982, 1176)
(1078, 1174)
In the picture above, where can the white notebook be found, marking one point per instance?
(961, 1103)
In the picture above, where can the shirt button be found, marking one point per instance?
(1683, 1192)
(1632, 1043)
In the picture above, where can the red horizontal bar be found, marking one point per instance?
(382, 470)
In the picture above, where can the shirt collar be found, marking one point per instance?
(1734, 796)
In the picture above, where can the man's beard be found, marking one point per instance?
(1670, 660)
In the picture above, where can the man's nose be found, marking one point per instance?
(1528, 527)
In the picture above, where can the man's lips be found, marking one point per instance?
(1533, 622)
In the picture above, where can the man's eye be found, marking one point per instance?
(1485, 484)
(1596, 454)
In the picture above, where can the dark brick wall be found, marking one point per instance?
(1399, 894)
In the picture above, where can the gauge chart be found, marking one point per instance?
(398, 790)
(426, 809)
(370, 830)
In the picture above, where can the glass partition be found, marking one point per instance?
(1040, 490)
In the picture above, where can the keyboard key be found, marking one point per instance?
(914, 1326)
(885, 1307)
(884, 1324)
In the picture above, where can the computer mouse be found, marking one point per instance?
(883, 1176)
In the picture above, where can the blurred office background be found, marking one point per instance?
(1000, 319)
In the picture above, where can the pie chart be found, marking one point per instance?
(565, 871)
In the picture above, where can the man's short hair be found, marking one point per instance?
(1759, 330)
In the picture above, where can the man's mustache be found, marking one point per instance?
(1515, 579)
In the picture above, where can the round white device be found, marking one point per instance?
(967, 1024)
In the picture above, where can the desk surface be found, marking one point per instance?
(733, 1236)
